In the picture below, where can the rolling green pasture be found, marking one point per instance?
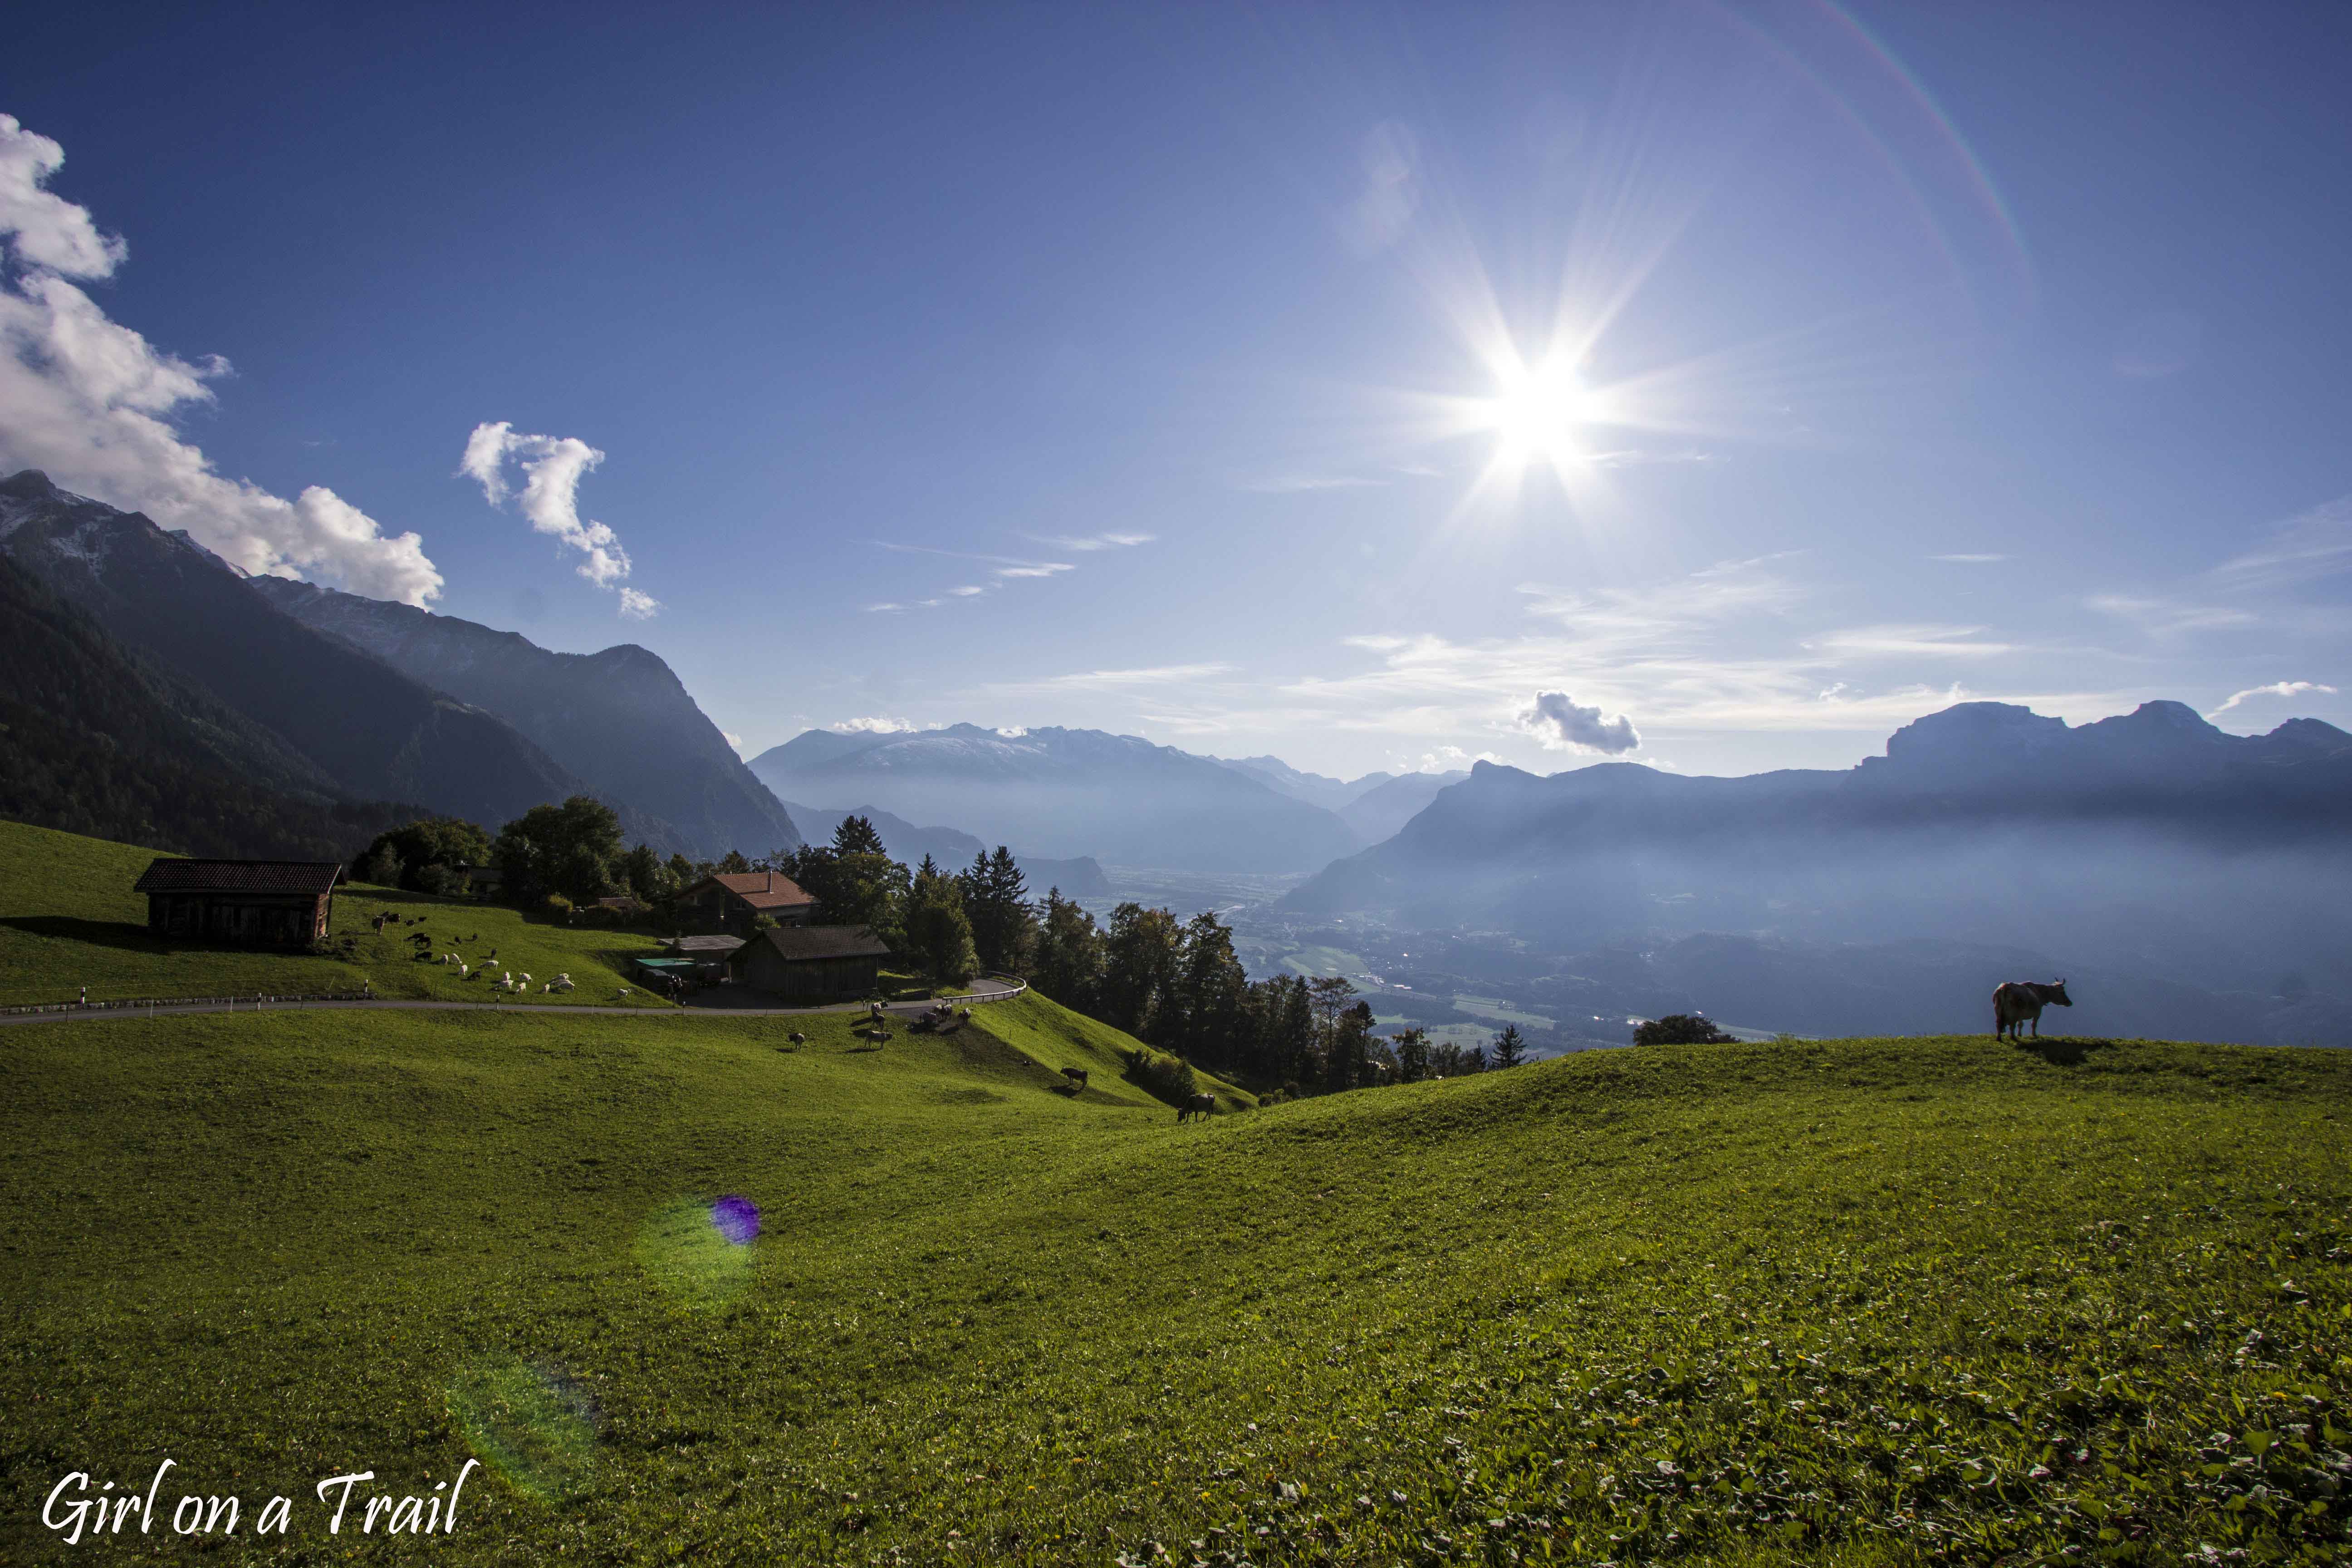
(1868, 1301)
(68, 918)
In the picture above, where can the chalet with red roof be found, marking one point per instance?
(733, 901)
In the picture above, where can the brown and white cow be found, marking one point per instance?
(1198, 1105)
(2017, 1002)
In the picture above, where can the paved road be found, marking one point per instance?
(988, 991)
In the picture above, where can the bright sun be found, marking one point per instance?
(1538, 413)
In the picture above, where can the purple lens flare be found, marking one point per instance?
(738, 1219)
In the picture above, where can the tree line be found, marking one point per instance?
(1174, 984)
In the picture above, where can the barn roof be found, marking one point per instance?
(798, 943)
(761, 889)
(176, 876)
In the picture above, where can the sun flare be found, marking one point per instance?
(1539, 412)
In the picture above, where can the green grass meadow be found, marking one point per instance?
(1868, 1301)
(68, 918)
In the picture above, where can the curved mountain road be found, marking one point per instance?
(988, 991)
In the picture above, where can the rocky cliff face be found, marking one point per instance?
(370, 730)
(619, 719)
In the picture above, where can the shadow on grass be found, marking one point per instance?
(2061, 1050)
(104, 933)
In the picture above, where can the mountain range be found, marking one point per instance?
(1066, 793)
(620, 719)
(2153, 840)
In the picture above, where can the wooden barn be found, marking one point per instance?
(732, 901)
(819, 962)
(240, 903)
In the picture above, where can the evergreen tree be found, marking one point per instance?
(997, 897)
(1412, 1048)
(1141, 955)
(855, 836)
(732, 864)
(1068, 965)
(1510, 1049)
(1210, 1012)
(646, 876)
(1349, 1064)
(937, 936)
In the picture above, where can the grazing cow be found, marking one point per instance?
(2016, 1001)
(1198, 1105)
(1078, 1077)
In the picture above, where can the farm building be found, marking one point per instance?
(243, 903)
(706, 954)
(733, 901)
(821, 962)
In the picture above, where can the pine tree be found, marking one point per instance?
(855, 836)
(937, 935)
(1510, 1049)
(1068, 966)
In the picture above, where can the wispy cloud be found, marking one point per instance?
(1912, 640)
(2318, 542)
(2275, 689)
(1003, 569)
(2163, 615)
(1965, 560)
(1091, 542)
(94, 404)
(1301, 484)
(876, 725)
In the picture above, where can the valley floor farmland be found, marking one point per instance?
(1891, 1301)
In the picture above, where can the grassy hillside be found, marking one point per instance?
(68, 918)
(1870, 1302)
(1056, 1037)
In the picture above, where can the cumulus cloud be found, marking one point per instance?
(1556, 719)
(2275, 689)
(874, 726)
(92, 403)
(552, 468)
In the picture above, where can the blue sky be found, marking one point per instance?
(1375, 387)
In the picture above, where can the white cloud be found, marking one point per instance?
(1982, 560)
(966, 592)
(92, 403)
(1907, 641)
(42, 228)
(876, 726)
(1094, 541)
(1562, 725)
(552, 468)
(2161, 616)
(2275, 689)
(733, 740)
(1038, 569)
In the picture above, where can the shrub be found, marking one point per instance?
(1162, 1075)
(1680, 1029)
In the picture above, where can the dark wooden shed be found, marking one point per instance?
(240, 903)
(820, 963)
